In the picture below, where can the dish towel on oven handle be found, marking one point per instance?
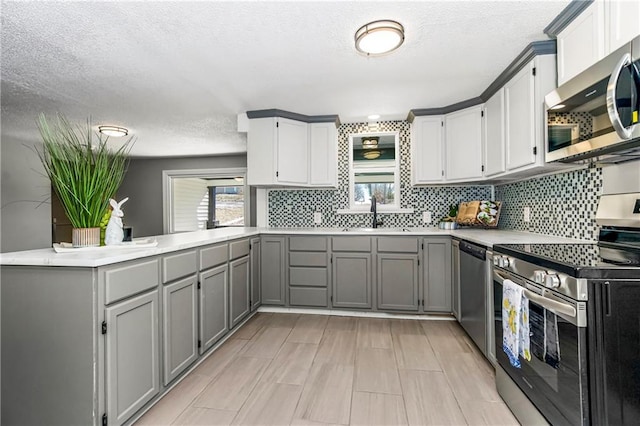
(515, 323)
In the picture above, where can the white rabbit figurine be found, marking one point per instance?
(114, 233)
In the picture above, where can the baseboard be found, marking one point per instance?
(366, 314)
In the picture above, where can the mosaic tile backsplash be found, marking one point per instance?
(562, 204)
(295, 208)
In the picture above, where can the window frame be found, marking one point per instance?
(167, 190)
(395, 169)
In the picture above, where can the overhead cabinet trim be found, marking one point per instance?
(533, 50)
(268, 113)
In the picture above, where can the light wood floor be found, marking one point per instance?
(295, 369)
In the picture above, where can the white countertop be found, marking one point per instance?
(186, 240)
(114, 254)
(485, 237)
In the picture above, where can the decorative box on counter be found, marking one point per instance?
(483, 213)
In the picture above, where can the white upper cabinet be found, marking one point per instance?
(524, 113)
(285, 152)
(599, 30)
(520, 127)
(323, 154)
(427, 149)
(494, 146)
(292, 152)
(623, 23)
(463, 144)
(581, 43)
(262, 145)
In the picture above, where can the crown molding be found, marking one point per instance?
(267, 113)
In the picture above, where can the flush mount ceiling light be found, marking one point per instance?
(370, 142)
(379, 37)
(372, 155)
(114, 131)
(373, 116)
(559, 106)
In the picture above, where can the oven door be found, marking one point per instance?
(555, 380)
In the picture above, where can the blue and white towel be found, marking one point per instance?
(515, 323)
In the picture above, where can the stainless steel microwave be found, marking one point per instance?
(596, 113)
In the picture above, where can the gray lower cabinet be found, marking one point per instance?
(255, 274)
(272, 269)
(132, 356)
(436, 280)
(308, 275)
(351, 280)
(397, 273)
(398, 281)
(240, 289)
(214, 315)
(180, 327)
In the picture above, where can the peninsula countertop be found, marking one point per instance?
(181, 241)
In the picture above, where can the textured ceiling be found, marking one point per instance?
(178, 73)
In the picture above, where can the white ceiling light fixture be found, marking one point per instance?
(559, 106)
(379, 37)
(373, 116)
(115, 131)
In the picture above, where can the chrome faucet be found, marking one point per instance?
(374, 210)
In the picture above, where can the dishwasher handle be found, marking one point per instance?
(473, 250)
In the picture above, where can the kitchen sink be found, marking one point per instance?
(376, 230)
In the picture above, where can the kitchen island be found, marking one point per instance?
(96, 337)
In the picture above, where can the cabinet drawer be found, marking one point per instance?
(398, 244)
(307, 243)
(213, 256)
(238, 249)
(311, 277)
(307, 259)
(130, 279)
(179, 265)
(351, 244)
(308, 297)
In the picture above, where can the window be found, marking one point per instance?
(227, 208)
(374, 171)
(203, 199)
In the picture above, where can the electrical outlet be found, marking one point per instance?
(526, 214)
(317, 218)
(426, 217)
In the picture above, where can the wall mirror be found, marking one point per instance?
(374, 170)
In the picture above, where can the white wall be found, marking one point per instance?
(25, 221)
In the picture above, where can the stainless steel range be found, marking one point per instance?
(584, 323)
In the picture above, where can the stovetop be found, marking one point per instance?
(589, 260)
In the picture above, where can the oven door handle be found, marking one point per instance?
(552, 305)
(545, 302)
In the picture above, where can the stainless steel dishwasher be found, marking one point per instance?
(473, 311)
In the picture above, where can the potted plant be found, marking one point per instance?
(449, 221)
(83, 173)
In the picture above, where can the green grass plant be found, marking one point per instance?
(83, 170)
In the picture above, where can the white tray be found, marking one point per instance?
(136, 243)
